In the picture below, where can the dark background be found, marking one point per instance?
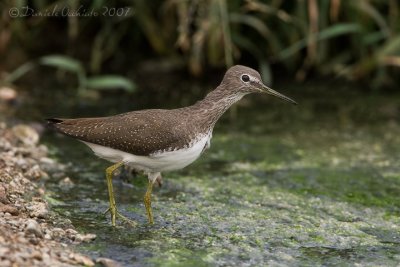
(169, 53)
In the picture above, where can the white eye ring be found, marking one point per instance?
(245, 78)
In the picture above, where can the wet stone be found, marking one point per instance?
(85, 237)
(32, 227)
(66, 183)
(3, 195)
(25, 241)
(71, 232)
(26, 134)
(108, 262)
(38, 209)
(81, 259)
(9, 209)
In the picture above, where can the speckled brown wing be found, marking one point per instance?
(139, 132)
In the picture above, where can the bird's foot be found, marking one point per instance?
(115, 213)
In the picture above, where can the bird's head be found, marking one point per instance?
(245, 80)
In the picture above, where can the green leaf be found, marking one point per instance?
(373, 38)
(266, 73)
(251, 21)
(18, 72)
(330, 32)
(246, 44)
(374, 13)
(391, 47)
(62, 62)
(259, 26)
(110, 82)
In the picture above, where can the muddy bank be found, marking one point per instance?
(30, 233)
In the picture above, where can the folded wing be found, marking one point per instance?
(140, 132)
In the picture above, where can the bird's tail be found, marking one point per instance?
(76, 128)
(55, 123)
(52, 122)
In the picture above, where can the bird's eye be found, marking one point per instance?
(245, 78)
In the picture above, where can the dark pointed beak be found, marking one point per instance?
(270, 91)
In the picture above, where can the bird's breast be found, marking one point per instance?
(179, 158)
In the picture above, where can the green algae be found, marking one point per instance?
(291, 193)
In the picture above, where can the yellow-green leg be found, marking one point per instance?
(147, 201)
(113, 207)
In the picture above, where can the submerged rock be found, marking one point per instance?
(66, 183)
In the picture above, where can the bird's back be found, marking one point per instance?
(140, 133)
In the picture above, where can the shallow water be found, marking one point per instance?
(316, 184)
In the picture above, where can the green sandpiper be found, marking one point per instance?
(159, 140)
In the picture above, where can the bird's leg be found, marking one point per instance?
(147, 197)
(159, 180)
(113, 207)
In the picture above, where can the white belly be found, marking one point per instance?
(157, 162)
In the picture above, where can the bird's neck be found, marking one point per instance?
(211, 108)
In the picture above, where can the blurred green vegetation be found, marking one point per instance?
(357, 40)
(67, 64)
